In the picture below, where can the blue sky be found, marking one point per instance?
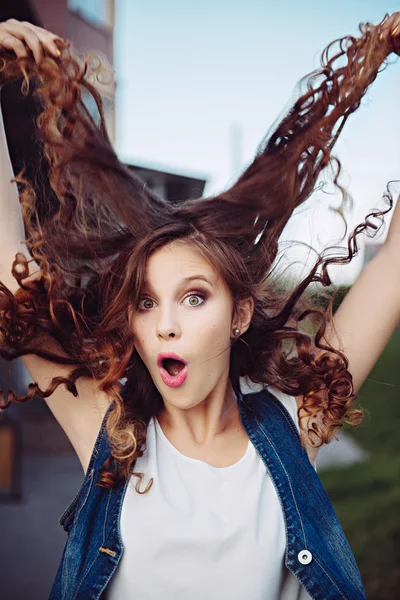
(192, 76)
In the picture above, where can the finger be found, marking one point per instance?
(395, 31)
(27, 35)
(391, 26)
(34, 45)
(395, 39)
(49, 40)
(12, 43)
(391, 35)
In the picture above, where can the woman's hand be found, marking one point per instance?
(22, 38)
(391, 30)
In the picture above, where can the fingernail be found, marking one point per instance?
(58, 52)
(394, 30)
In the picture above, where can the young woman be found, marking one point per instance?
(138, 321)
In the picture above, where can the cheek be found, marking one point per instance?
(215, 333)
(139, 338)
(143, 353)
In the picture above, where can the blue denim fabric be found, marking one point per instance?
(317, 551)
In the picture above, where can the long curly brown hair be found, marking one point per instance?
(93, 235)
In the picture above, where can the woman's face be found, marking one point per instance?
(185, 308)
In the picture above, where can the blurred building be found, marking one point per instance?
(173, 187)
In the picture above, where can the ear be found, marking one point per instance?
(244, 314)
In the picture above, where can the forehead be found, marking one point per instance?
(176, 261)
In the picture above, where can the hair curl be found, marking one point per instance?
(93, 236)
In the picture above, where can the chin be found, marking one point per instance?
(180, 398)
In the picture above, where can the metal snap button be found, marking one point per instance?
(305, 557)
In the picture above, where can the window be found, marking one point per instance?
(97, 12)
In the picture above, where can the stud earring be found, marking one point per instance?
(236, 332)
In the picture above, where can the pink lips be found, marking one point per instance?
(172, 380)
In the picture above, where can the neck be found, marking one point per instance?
(214, 417)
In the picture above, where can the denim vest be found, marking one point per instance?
(317, 551)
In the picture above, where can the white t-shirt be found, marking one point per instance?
(203, 532)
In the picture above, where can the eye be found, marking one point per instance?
(194, 297)
(144, 306)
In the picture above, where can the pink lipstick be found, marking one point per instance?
(178, 368)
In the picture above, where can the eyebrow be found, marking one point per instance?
(186, 280)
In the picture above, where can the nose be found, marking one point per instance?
(168, 327)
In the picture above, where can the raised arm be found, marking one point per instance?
(371, 309)
(80, 416)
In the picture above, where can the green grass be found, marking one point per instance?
(366, 496)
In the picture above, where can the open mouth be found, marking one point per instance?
(172, 366)
(173, 371)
